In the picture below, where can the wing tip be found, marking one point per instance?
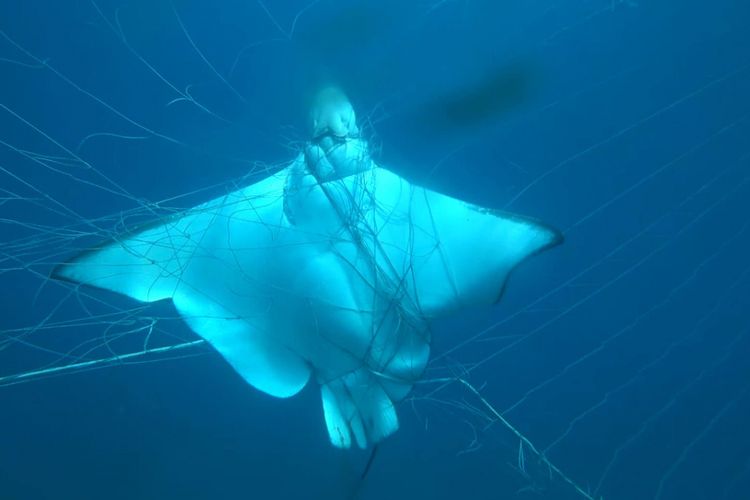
(58, 271)
(64, 272)
(555, 237)
(61, 271)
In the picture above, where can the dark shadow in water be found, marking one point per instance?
(479, 104)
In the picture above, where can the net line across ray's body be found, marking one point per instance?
(703, 204)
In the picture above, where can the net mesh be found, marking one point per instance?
(574, 385)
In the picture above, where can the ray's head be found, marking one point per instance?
(332, 114)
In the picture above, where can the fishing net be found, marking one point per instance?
(615, 365)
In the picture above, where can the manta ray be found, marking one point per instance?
(333, 268)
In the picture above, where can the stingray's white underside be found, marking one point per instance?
(337, 277)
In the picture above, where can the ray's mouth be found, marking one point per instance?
(337, 139)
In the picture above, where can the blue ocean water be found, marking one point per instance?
(621, 355)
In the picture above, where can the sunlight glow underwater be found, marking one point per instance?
(335, 267)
